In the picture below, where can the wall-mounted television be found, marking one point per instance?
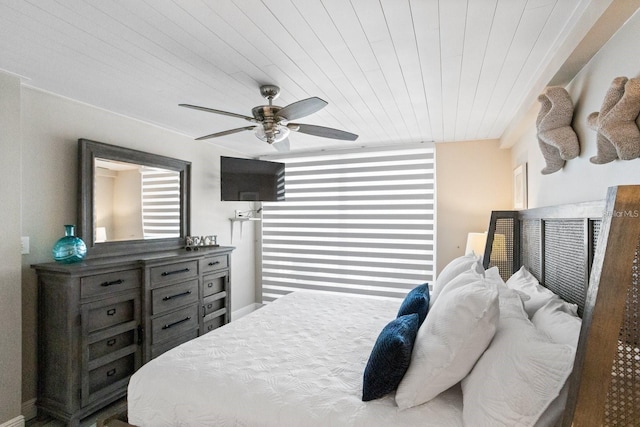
(251, 180)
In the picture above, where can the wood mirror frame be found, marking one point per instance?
(88, 151)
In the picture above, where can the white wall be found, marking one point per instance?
(51, 127)
(10, 269)
(580, 180)
(473, 178)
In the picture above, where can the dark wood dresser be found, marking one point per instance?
(101, 319)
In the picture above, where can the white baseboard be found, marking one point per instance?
(29, 409)
(16, 422)
(243, 311)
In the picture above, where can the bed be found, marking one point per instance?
(300, 360)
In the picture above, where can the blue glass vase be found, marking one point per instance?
(69, 248)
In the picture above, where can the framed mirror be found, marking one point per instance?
(131, 201)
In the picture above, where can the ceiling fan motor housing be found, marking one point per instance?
(265, 112)
(273, 130)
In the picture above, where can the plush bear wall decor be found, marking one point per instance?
(618, 136)
(557, 140)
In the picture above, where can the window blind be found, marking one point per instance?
(358, 222)
(160, 203)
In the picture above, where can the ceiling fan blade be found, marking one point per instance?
(323, 131)
(301, 108)
(226, 132)
(211, 110)
(282, 146)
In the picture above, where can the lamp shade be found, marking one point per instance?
(476, 243)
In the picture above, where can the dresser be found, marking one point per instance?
(100, 320)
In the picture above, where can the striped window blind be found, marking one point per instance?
(358, 222)
(160, 203)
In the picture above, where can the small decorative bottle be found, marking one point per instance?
(69, 248)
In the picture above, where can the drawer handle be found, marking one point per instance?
(113, 282)
(210, 328)
(111, 312)
(111, 342)
(169, 273)
(209, 305)
(167, 298)
(210, 284)
(169, 325)
(111, 372)
(211, 264)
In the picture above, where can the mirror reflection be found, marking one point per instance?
(134, 202)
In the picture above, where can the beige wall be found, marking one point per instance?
(580, 180)
(51, 127)
(10, 289)
(473, 178)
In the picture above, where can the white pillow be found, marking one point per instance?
(473, 273)
(493, 274)
(458, 328)
(451, 271)
(554, 412)
(523, 281)
(558, 320)
(510, 306)
(519, 375)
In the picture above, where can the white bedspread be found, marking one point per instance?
(296, 362)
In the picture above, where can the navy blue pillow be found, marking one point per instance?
(390, 357)
(416, 301)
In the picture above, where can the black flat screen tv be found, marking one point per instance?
(251, 180)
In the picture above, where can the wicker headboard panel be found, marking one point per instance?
(555, 244)
(587, 253)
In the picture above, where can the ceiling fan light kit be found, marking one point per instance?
(272, 121)
(271, 132)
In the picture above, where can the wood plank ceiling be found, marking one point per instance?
(393, 71)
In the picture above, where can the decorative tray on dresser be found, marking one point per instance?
(101, 319)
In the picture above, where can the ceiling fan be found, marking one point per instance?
(273, 123)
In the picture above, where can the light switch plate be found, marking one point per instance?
(25, 245)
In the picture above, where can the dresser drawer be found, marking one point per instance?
(174, 296)
(213, 283)
(106, 375)
(173, 272)
(107, 283)
(105, 314)
(213, 322)
(214, 303)
(174, 324)
(214, 263)
(111, 344)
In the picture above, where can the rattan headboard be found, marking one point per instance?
(556, 244)
(588, 254)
